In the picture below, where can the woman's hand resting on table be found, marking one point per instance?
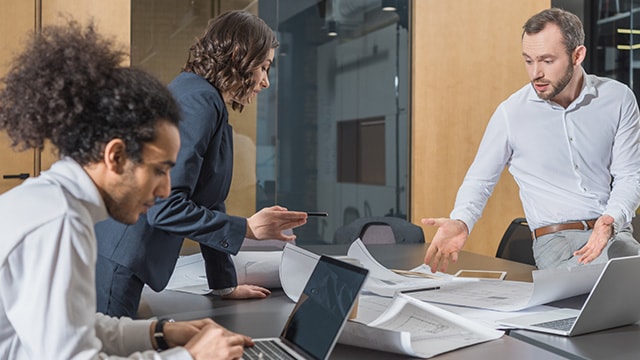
(248, 292)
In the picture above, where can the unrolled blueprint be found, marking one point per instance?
(548, 285)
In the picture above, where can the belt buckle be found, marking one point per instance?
(585, 226)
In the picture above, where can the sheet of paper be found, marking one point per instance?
(189, 276)
(370, 307)
(258, 268)
(361, 335)
(252, 267)
(363, 332)
(549, 285)
(296, 266)
(491, 318)
(384, 282)
(556, 284)
(428, 330)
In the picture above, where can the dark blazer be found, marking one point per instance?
(200, 183)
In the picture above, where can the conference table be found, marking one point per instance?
(266, 317)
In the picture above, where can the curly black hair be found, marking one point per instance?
(234, 44)
(68, 86)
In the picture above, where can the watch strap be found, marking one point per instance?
(158, 334)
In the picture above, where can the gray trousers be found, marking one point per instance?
(556, 249)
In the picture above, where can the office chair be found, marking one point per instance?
(350, 214)
(635, 225)
(516, 243)
(379, 230)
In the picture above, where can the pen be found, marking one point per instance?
(317, 213)
(421, 289)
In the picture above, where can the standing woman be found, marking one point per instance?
(227, 66)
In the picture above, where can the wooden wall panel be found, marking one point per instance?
(466, 59)
(17, 20)
(112, 18)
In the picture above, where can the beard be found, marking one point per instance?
(558, 86)
(122, 197)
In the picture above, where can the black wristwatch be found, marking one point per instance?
(158, 334)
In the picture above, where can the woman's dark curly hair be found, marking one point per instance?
(68, 86)
(230, 49)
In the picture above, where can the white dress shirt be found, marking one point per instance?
(47, 275)
(571, 164)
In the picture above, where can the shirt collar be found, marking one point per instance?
(589, 87)
(77, 182)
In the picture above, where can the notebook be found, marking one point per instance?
(316, 321)
(614, 301)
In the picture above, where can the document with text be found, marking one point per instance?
(548, 285)
(385, 282)
(412, 327)
(297, 263)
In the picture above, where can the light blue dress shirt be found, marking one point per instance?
(570, 164)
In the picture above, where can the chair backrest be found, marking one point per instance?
(379, 230)
(350, 214)
(635, 224)
(516, 243)
(377, 234)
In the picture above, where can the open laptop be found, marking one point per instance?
(614, 301)
(316, 321)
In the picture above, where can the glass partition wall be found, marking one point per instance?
(616, 40)
(331, 134)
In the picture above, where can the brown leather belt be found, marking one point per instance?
(576, 225)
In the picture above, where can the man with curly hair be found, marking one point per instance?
(227, 66)
(116, 130)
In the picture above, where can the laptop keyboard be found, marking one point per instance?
(265, 350)
(560, 324)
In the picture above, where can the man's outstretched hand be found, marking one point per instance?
(446, 244)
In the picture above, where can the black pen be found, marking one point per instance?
(421, 289)
(317, 213)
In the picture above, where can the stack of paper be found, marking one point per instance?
(416, 328)
(398, 324)
(394, 314)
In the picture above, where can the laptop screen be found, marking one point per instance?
(325, 303)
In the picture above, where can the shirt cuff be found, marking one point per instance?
(135, 334)
(619, 220)
(177, 353)
(467, 220)
(222, 292)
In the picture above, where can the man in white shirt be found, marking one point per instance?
(116, 130)
(572, 143)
